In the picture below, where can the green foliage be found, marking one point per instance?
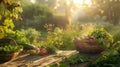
(76, 59)
(107, 26)
(9, 49)
(35, 16)
(41, 16)
(109, 58)
(67, 39)
(58, 65)
(109, 9)
(31, 34)
(52, 39)
(103, 37)
(1, 32)
(61, 65)
(61, 39)
(9, 10)
(18, 36)
(59, 21)
(101, 33)
(116, 36)
(51, 3)
(39, 10)
(51, 49)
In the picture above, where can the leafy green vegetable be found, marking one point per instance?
(51, 49)
(18, 36)
(109, 58)
(8, 49)
(77, 59)
(103, 37)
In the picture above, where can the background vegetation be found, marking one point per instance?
(54, 24)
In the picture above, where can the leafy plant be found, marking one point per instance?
(75, 59)
(53, 39)
(60, 39)
(18, 36)
(109, 58)
(116, 36)
(9, 49)
(51, 49)
(31, 34)
(103, 37)
(37, 18)
(10, 11)
(67, 39)
(58, 65)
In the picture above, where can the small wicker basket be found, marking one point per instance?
(87, 46)
(7, 57)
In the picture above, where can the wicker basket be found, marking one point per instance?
(87, 46)
(6, 41)
(7, 57)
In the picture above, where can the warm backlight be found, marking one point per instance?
(79, 2)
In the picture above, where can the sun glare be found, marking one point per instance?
(80, 2)
(88, 2)
(33, 1)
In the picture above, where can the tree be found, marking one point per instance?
(35, 16)
(63, 7)
(110, 9)
(9, 11)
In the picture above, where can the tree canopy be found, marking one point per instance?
(109, 9)
(35, 16)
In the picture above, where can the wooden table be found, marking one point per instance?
(26, 60)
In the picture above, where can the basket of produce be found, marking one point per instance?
(87, 46)
(9, 49)
(95, 42)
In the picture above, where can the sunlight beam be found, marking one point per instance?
(88, 2)
(78, 2)
(32, 1)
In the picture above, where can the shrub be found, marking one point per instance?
(77, 58)
(51, 49)
(35, 16)
(18, 36)
(67, 39)
(116, 36)
(32, 35)
(61, 39)
(53, 39)
(108, 58)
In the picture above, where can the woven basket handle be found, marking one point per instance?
(6, 40)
